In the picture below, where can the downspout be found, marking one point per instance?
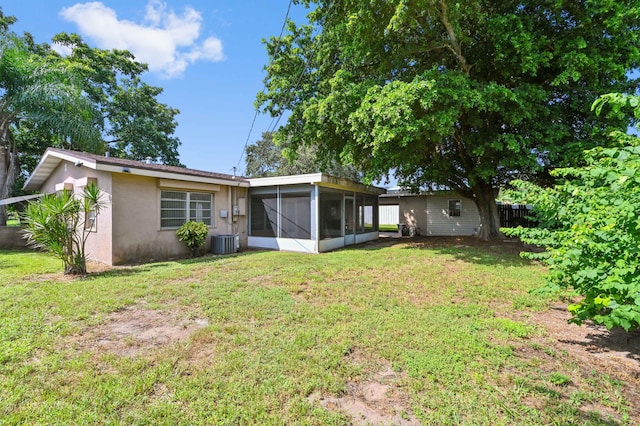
(316, 239)
(278, 212)
(230, 212)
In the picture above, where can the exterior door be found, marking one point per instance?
(349, 221)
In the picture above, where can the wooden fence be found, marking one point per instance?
(513, 215)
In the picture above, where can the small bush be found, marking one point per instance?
(193, 234)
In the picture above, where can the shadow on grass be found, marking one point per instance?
(504, 252)
(617, 340)
(595, 418)
(134, 269)
(5, 261)
(557, 402)
(468, 249)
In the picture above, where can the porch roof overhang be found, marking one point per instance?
(320, 179)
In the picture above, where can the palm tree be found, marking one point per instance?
(45, 94)
(61, 224)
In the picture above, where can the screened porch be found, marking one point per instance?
(311, 213)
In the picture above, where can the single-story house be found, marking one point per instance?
(147, 202)
(434, 213)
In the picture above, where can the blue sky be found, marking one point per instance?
(207, 55)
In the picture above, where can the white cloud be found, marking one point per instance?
(168, 42)
(61, 49)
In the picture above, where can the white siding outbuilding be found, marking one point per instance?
(442, 213)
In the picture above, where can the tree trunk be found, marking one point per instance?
(485, 200)
(3, 179)
(7, 179)
(77, 268)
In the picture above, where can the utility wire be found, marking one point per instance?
(255, 115)
(273, 125)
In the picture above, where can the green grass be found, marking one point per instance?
(388, 228)
(13, 219)
(284, 326)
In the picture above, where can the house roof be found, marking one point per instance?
(319, 179)
(54, 156)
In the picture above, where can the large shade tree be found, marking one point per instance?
(132, 123)
(127, 117)
(265, 158)
(46, 95)
(135, 124)
(466, 95)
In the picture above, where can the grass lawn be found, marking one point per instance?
(419, 334)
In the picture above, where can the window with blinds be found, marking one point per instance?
(179, 207)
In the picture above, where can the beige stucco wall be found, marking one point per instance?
(99, 245)
(137, 235)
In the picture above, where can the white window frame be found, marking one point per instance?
(186, 209)
(454, 210)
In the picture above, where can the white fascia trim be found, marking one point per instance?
(168, 175)
(52, 159)
(73, 159)
(311, 178)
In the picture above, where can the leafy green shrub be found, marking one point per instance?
(590, 225)
(193, 234)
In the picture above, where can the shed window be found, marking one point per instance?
(455, 208)
(178, 207)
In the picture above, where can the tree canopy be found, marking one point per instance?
(134, 124)
(111, 108)
(45, 95)
(265, 158)
(467, 94)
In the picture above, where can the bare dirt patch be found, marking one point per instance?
(376, 401)
(93, 268)
(615, 353)
(138, 329)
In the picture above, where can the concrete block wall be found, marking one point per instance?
(11, 238)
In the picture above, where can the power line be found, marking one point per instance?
(273, 125)
(255, 115)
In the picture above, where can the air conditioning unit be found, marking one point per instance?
(224, 244)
